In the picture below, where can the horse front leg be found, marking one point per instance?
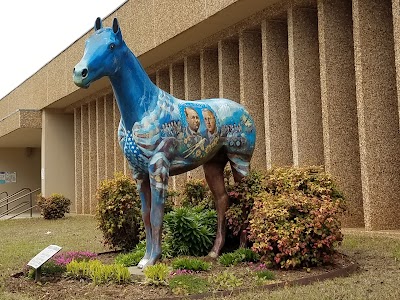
(159, 173)
(143, 186)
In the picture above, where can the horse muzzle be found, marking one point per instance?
(80, 76)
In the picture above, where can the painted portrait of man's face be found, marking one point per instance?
(209, 120)
(192, 119)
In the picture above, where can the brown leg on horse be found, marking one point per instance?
(214, 172)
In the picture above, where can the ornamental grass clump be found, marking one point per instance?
(193, 264)
(157, 274)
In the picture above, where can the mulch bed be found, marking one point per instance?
(58, 288)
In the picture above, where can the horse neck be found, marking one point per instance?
(135, 93)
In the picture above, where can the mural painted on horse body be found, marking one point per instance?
(162, 136)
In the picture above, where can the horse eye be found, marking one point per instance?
(112, 46)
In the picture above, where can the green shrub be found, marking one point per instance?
(157, 274)
(242, 196)
(190, 231)
(188, 285)
(119, 212)
(225, 281)
(295, 230)
(265, 275)
(98, 272)
(49, 268)
(238, 256)
(197, 193)
(194, 264)
(131, 258)
(53, 207)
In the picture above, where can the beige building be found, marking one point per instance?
(320, 77)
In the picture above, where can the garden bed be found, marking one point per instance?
(62, 287)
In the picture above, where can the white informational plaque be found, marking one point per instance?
(44, 256)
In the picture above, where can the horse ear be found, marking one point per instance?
(115, 25)
(98, 24)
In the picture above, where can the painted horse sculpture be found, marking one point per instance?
(162, 136)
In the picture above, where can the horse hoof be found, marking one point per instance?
(142, 263)
(213, 254)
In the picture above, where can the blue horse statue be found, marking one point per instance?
(163, 136)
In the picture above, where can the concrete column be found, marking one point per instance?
(228, 62)
(396, 29)
(92, 157)
(85, 159)
(109, 135)
(101, 150)
(193, 92)
(162, 79)
(177, 89)
(58, 155)
(78, 160)
(119, 157)
(209, 73)
(251, 89)
(192, 77)
(339, 105)
(278, 132)
(305, 93)
(378, 116)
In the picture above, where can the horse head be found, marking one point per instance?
(100, 58)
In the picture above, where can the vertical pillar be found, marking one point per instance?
(118, 154)
(85, 159)
(92, 157)
(101, 150)
(78, 160)
(305, 94)
(209, 73)
(251, 88)
(109, 135)
(378, 116)
(278, 132)
(396, 29)
(339, 105)
(57, 154)
(228, 62)
(192, 81)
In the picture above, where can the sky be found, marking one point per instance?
(32, 33)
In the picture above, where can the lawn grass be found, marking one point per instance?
(22, 239)
(378, 255)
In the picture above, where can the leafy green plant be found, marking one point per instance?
(119, 212)
(157, 274)
(225, 281)
(194, 264)
(197, 193)
(295, 230)
(53, 207)
(131, 258)
(98, 272)
(188, 285)
(190, 231)
(265, 275)
(49, 268)
(238, 256)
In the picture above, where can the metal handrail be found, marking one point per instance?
(12, 195)
(21, 212)
(4, 193)
(19, 205)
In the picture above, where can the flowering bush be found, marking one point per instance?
(64, 258)
(53, 207)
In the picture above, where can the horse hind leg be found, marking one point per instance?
(214, 173)
(240, 166)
